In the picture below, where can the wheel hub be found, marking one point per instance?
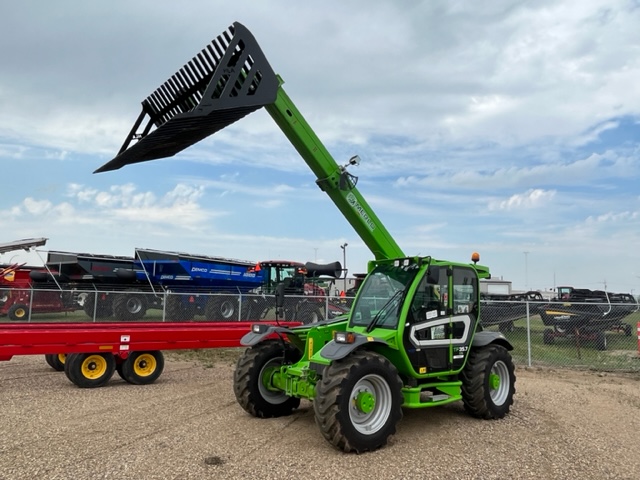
(365, 402)
(494, 381)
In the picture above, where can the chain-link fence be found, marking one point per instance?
(78, 305)
(598, 336)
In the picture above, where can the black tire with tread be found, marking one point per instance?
(56, 361)
(222, 308)
(333, 400)
(247, 379)
(476, 384)
(142, 368)
(129, 306)
(18, 311)
(177, 311)
(76, 363)
(103, 310)
(309, 314)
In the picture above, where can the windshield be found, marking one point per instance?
(380, 297)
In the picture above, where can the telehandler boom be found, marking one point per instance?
(412, 338)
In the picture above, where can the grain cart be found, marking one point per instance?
(412, 338)
(227, 289)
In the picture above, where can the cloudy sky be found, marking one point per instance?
(511, 129)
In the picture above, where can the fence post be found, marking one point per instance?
(528, 335)
(30, 303)
(638, 339)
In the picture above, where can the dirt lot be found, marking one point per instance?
(188, 426)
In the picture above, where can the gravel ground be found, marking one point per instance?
(564, 424)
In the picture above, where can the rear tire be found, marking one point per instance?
(488, 382)
(56, 361)
(90, 370)
(142, 368)
(628, 330)
(252, 374)
(548, 337)
(359, 402)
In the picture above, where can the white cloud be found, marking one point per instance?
(533, 198)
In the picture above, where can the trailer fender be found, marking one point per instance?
(335, 351)
(259, 332)
(484, 338)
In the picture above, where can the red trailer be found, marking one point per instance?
(18, 297)
(90, 353)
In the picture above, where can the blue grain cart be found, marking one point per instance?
(197, 284)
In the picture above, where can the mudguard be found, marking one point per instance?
(336, 351)
(260, 332)
(484, 338)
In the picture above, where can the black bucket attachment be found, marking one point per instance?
(333, 269)
(226, 81)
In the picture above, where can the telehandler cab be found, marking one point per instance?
(412, 338)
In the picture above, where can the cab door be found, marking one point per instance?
(442, 319)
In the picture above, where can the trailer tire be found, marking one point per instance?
(142, 368)
(18, 311)
(177, 311)
(102, 310)
(249, 379)
(358, 402)
(628, 330)
(129, 306)
(548, 337)
(488, 382)
(90, 370)
(222, 307)
(56, 361)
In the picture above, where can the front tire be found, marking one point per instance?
(359, 402)
(488, 382)
(251, 379)
(90, 370)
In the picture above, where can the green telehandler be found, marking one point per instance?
(412, 338)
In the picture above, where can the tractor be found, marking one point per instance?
(413, 337)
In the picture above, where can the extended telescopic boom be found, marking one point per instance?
(226, 81)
